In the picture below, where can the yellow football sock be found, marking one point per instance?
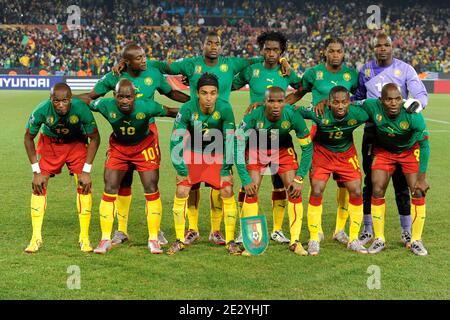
(342, 198)
(153, 211)
(192, 208)
(378, 209)
(295, 212)
(84, 207)
(179, 216)
(250, 207)
(241, 198)
(216, 209)
(38, 205)
(123, 203)
(418, 214)
(314, 217)
(320, 230)
(278, 205)
(107, 212)
(355, 211)
(230, 214)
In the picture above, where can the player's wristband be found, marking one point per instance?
(35, 167)
(298, 179)
(87, 168)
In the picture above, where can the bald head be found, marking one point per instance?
(274, 103)
(382, 47)
(61, 88)
(125, 95)
(387, 88)
(134, 57)
(392, 100)
(61, 97)
(274, 91)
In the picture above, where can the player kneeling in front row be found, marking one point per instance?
(335, 153)
(202, 131)
(263, 139)
(131, 143)
(401, 138)
(66, 126)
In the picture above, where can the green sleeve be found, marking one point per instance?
(96, 105)
(228, 129)
(242, 78)
(302, 134)
(35, 121)
(240, 64)
(308, 80)
(422, 135)
(306, 112)
(164, 86)
(354, 74)
(294, 80)
(180, 66)
(369, 106)
(240, 143)
(156, 109)
(106, 84)
(87, 119)
(179, 130)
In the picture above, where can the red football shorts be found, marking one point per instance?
(386, 161)
(203, 168)
(53, 155)
(344, 165)
(144, 156)
(279, 162)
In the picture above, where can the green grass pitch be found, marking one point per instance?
(205, 271)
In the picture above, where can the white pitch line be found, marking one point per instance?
(438, 121)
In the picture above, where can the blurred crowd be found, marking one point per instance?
(170, 29)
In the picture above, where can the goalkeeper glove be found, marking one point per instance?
(413, 106)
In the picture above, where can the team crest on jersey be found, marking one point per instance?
(325, 121)
(379, 117)
(148, 81)
(397, 72)
(352, 122)
(198, 69)
(74, 119)
(347, 76)
(319, 75)
(195, 116)
(113, 115)
(140, 116)
(404, 125)
(216, 115)
(367, 73)
(256, 73)
(285, 124)
(224, 67)
(50, 119)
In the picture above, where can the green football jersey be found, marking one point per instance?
(336, 134)
(259, 79)
(320, 81)
(129, 129)
(207, 128)
(74, 126)
(257, 125)
(225, 69)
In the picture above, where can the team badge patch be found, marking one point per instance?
(254, 234)
(195, 116)
(319, 75)
(50, 119)
(216, 115)
(397, 72)
(74, 119)
(140, 116)
(404, 125)
(352, 122)
(224, 67)
(148, 81)
(325, 121)
(198, 69)
(367, 73)
(285, 124)
(347, 76)
(256, 73)
(379, 117)
(113, 115)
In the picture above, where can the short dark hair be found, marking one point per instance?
(208, 79)
(337, 89)
(272, 36)
(211, 34)
(333, 40)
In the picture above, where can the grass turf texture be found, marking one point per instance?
(204, 271)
